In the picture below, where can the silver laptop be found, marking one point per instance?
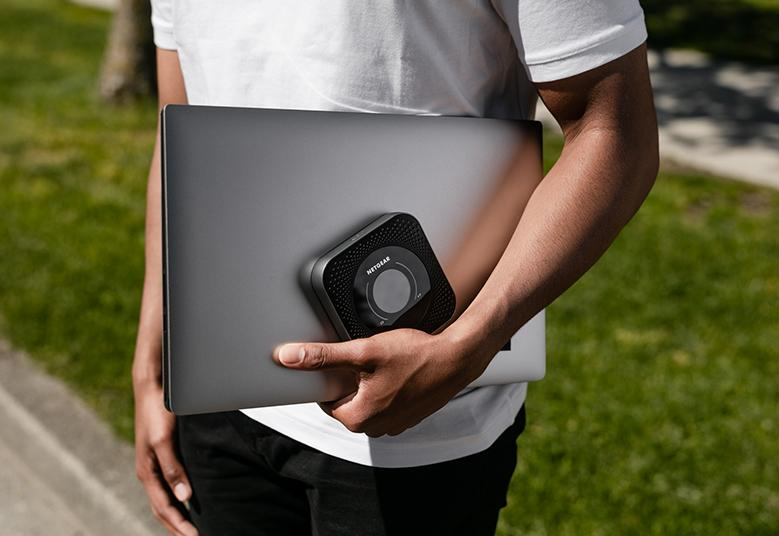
(252, 195)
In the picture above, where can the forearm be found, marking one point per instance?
(571, 218)
(146, 362)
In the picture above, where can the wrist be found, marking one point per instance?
(144, 375)
(147, 365)
(147, 361)
(478, 332)
(466, 339)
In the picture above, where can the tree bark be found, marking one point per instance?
(128, 70)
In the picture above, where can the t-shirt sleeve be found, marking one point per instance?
(561, 38)
(162, 24)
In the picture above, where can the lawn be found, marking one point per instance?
(736, 29)
(658, 412)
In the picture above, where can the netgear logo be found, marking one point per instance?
(378, 265)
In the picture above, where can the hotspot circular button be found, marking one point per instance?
(391, 290)
(389, 282)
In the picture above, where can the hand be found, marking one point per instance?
(156, 463)
(402, 375)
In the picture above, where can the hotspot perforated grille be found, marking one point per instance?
(402, 230)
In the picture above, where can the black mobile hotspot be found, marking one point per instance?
(385, 276)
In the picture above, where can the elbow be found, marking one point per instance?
(639, 166)
(640, 155)
(649, 163)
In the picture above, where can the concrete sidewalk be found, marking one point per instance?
(61, 469)
(721, 117)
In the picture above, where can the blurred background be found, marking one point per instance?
(658, 414)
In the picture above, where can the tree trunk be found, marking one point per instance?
(128, 66)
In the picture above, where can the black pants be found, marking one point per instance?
(249, 479)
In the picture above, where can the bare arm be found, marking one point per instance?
(156, 462)
(146, 365)
(607, 168)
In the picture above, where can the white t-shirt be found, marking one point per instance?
(448, 57)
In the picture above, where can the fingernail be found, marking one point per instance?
(180, 491)
(291, 355)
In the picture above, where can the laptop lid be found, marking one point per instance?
(252, 195)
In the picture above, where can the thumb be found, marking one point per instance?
(318, 355)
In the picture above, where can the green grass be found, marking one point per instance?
(658, 412)
(736, 29)
(72, 182)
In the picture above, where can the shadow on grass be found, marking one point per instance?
(740, 101)
(733, 29)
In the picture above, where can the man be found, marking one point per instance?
(410, 451)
